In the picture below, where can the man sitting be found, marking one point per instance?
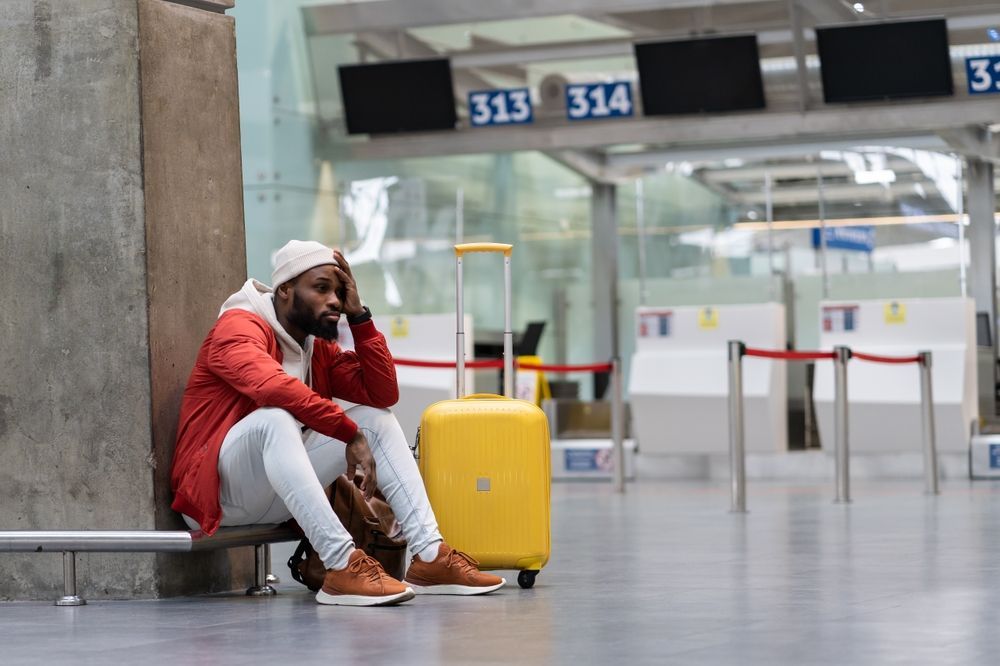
(260, 438)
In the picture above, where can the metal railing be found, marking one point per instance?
(840, 356)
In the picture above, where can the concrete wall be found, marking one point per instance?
(120, 233)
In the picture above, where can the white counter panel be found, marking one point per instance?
(678, 384)
(884, 400)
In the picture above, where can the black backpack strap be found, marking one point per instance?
(298, 556)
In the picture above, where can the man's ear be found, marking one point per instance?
(282, 290)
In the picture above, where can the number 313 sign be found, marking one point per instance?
(500, 107)
(598, 100)
(983, 74)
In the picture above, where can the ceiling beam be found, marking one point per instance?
(977, 142)
(401, 14)
(588, 164)
(842, 193)
(387, 46)
(829, 11)
(676, 136)
(796, 171)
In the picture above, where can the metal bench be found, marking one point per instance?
(71, 542)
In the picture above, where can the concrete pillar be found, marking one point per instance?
(604, 275)
(121, 232)
(981, 206)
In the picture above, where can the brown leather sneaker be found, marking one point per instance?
(453, 572)
(363, 582)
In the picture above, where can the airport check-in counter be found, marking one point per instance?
(884, 400)
(678, 384)
(426, 337)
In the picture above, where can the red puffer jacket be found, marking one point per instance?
(239, 370)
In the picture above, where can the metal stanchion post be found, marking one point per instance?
(841, 453)
(737, 453)
(618, 424)
(927, 414)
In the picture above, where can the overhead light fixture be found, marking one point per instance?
(880, 176)
(859, 8)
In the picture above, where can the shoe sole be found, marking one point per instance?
(362, 600)
(458, 590)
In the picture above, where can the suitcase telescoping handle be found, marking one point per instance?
(508, 335)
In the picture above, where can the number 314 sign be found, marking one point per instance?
(598, 100)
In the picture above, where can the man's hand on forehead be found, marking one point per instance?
(352, 299)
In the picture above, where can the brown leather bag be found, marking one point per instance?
(372, 526)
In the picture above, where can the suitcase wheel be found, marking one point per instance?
(526, 579)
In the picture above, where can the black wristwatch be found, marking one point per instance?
(361, 318)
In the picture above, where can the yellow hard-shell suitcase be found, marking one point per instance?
(485, 461)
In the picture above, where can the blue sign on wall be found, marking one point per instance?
(588, 460)
(581, 460)
(860, 239)
(983, 75)
(994, 456)
(587, 101)
(500, 107)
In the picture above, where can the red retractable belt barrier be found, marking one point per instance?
(789, 355)
(471, 365)
(591, 367)
(497, 363)
(607, 367)
(875, 358)
(821, 355)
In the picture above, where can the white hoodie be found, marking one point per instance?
(258, 298)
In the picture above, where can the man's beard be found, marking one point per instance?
(301, 316)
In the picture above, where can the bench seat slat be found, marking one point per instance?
(140, 541)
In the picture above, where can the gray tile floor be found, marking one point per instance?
(662, 575)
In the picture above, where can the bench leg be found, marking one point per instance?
(260, 588)
(69, 597)
(270, 578)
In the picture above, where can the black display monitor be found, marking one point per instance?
(885, 60)
(402, 96)
(696, 75)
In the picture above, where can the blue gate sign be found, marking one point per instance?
(994, 456)
(983, 75)
(500, 107)
(586, 101)
(587, 460)
(860, 239)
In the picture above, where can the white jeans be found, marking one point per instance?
(271, 471)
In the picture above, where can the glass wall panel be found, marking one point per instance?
(401, 220)
(734, 228)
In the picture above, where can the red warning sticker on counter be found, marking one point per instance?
(839, 318)
(655, 324)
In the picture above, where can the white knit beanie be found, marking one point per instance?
(296, 257)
